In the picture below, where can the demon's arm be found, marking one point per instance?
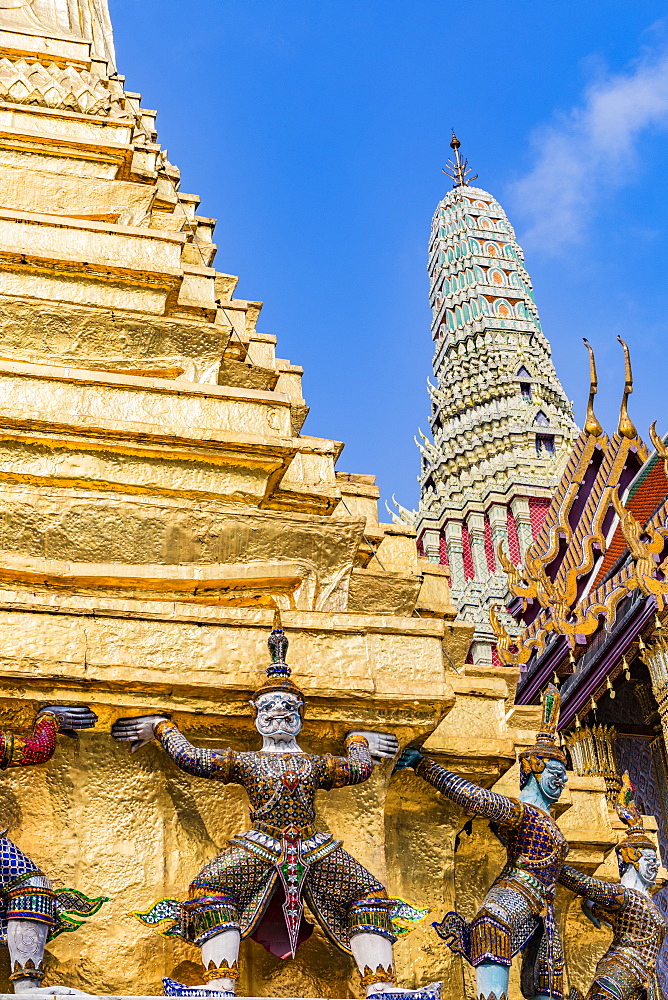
(353, 769)
(505, 811)
(22, 751)
(203, 763)
(607, 895)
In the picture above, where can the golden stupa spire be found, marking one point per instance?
(458, 168)
(592, 425)
(626, 426)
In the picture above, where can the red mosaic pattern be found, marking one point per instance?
(538, 508)
(642, 505)
(22, 751)
(513, 540)
(489, 547)
(443, 551)
(467, 555)
(496, 659)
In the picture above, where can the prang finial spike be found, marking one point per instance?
(626, 426)
(592, 425)
(458, 169)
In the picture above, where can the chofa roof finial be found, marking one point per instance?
(626, 426)
(592, 425)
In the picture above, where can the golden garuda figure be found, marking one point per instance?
(627, 971)
(31, 911)
(256, 886)
(517, 914)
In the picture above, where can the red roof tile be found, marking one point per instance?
(646, 497)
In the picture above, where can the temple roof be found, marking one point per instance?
(603, 542)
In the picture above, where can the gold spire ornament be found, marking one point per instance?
(659, 444)
(592, 425)
(636, 840)
(278, 672)
(457, 169)
(626, 426)
(547, 746)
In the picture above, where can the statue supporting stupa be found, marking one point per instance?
(517, 913)
(31, 911)
(256, 886)
(627, 971)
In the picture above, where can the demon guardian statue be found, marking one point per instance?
(517, 913)
(31, 912)
(283, 858)
(627, 971)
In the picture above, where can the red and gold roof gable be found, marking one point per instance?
(566, 585)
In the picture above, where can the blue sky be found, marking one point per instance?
(315, 133)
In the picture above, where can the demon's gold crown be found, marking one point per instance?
(278, 672)
(547, 746)
(636, 840)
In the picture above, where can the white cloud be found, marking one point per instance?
(590, 152)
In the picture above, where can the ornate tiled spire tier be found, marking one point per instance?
(501, 424)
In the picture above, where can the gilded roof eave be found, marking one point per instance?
(572, 601)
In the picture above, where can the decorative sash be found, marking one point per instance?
(292, 870)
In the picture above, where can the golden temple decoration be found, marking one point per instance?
(592, 425)
(593, 751)
(29, 971)
(381, 975)
(661, 448)
(222, 971)
(655, 657)
(626, 426)
(510, 653)
(564, 554)
(519, 583)
(644, 553)
(532, 581)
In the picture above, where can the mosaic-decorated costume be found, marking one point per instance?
(518, 911)
(25, 892)
(627, 971)
(257, 885)
(282, 846)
